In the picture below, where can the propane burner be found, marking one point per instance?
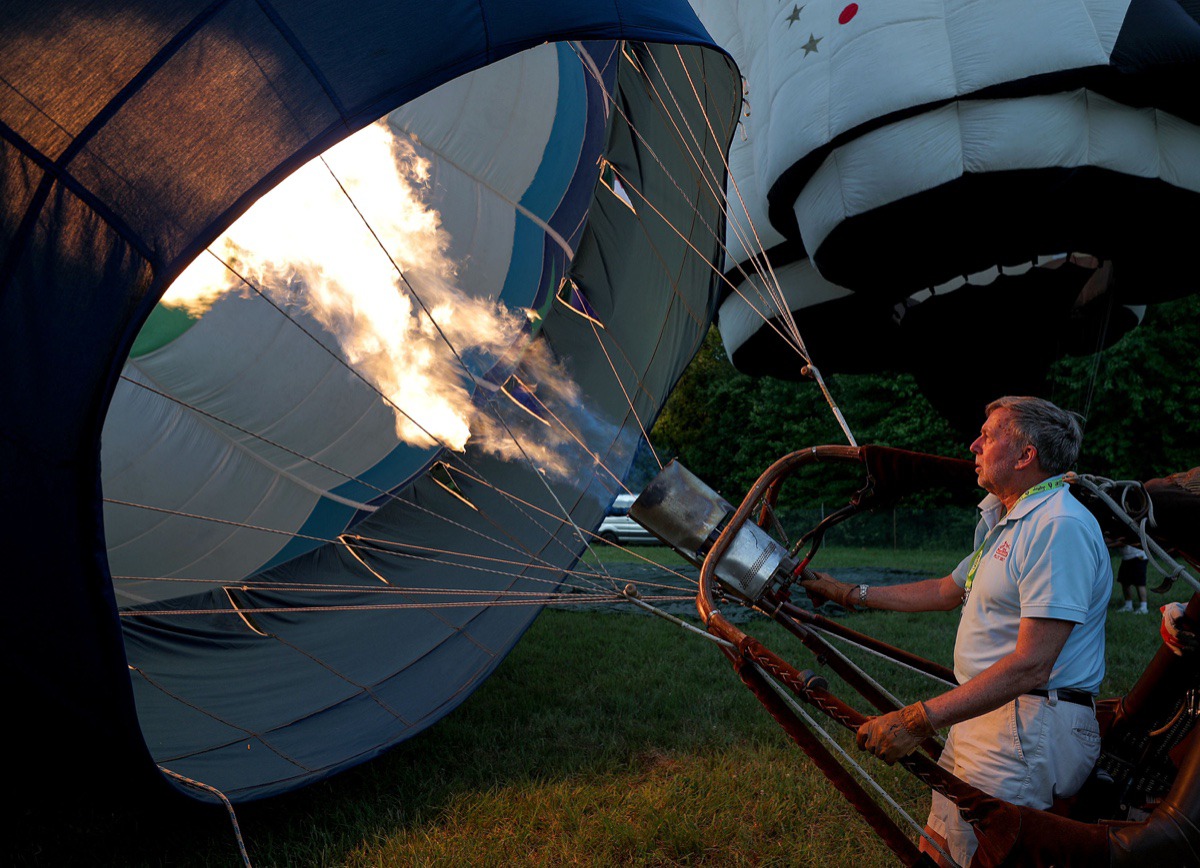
(688, 516)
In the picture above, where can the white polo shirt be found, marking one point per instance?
(1047, 559)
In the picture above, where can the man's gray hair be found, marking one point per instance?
(1055, 433)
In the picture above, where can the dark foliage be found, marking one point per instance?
(1141, 399)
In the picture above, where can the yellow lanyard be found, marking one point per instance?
(1048, 485)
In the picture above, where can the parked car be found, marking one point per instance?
(619, 528)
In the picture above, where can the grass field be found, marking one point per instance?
(603, 739)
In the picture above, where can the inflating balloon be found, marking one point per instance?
(276, 568)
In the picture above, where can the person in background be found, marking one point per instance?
(1132, 576)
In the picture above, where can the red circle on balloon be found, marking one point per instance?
(848, 13)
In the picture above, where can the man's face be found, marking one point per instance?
(997, 450)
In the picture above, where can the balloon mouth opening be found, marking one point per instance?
(1092, 275)
(361, 320)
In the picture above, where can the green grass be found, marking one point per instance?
(603, 739)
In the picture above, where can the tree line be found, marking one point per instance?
(1140, 397)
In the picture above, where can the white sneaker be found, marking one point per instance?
(1141, 610)
(1128, 607)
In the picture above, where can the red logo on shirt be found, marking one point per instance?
(1001, 553)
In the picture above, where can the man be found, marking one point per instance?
(1029, 654)
(1132, 577)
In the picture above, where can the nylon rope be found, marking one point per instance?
(785, 308)
(772, 283)
(629, 185)
(1098, 355)
(616, 597)
(385, 547)
(863, 774)
(1158, 556)
(381, 546)
(323, 540)
(714, 181)
(830, 635)
(862, 673)
(209, 788)
(678, 622)
(641, 387)
(375, 546)
(774, 299)
(339, 588)
(454, 627)
(482, 481)
(769, 282)
(718, 194)
(555, 582)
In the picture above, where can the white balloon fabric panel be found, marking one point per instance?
(818, 70)
(939, 158)
(1076, 129)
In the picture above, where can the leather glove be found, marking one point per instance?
(825, 587)
(896, 734)
(1176, 630)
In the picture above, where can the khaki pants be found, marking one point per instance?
(1028, 752)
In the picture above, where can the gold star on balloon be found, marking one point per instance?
(811, 46)
(795, 16)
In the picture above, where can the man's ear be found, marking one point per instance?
(1028, 457)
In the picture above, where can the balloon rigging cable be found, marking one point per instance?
(707, 173)
(776, 300)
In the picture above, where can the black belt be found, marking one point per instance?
(1069, 694)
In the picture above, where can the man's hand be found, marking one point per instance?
(1176, 630)
(897, 734)
(825, 587)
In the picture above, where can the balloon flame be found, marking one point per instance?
(315, 245)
